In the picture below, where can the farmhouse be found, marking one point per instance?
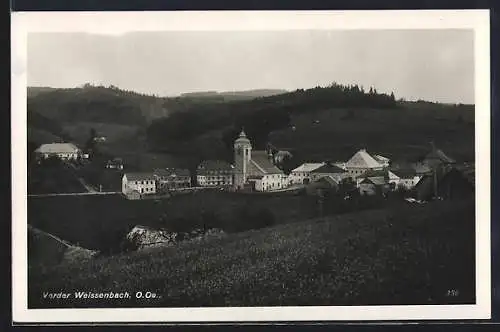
(435, 159)
(328, 170)
(255, 168)
(214, 173)
(373, 186)
(384, 161)
(64, 151)
(302, 174)
(115, 163)
(404, 178)
(321, 185)
(134, 184)
(172, 178)
(455, 182)
(361, 162)
(378, 176)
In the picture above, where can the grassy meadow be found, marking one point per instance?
(412, 254)
(58, 178)
(95, 221)
(400, 134)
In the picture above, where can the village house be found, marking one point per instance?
(378, 176)
(115, 163)
(136, 185)
(453, 183)
(99, 139)
(172, 178)
(64, 151)
(322, 185)
(436, 158)
(373, 186)
(255, 168)
(384, 161)
(404, 178)
(362, 162)
(214, 173)
(328, 170)
(302, 174)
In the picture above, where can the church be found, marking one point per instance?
(255, 169)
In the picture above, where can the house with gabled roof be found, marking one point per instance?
(141, 184)
(361, 162)
(255, 168)
(322, 184)
(214, 173)
(434, 159)
(64, 151)
(329, 170)
(172, 178)
(454, 183)
(302, 174)
(405, 178)
(373, 186)
(384, 161)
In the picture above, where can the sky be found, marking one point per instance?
(434, 65)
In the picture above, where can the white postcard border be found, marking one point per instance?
(122, 22)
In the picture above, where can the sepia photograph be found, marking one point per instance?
(254, 166)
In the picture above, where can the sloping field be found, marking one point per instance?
(407, 255)
(46, 249)
(400, 134)
(94, 220)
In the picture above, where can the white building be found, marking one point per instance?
(361, 162)
(255, 169)
(302, 174)
(214, 173)
(141, 183)
(64, 151)
(406, 179)
(384, 161)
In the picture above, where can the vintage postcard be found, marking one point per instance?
(250, 166)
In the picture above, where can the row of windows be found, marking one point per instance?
(223, 172)
(216, 183)
(214, 178)
(144, 182)
(146, 190)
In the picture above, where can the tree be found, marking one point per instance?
(90, 145)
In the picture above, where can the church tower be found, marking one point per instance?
(242, 156)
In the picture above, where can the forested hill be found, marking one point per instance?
(262, 115)
(234, 95)
(113, 105)
(96, 104)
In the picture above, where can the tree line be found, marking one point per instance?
(261, 116)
